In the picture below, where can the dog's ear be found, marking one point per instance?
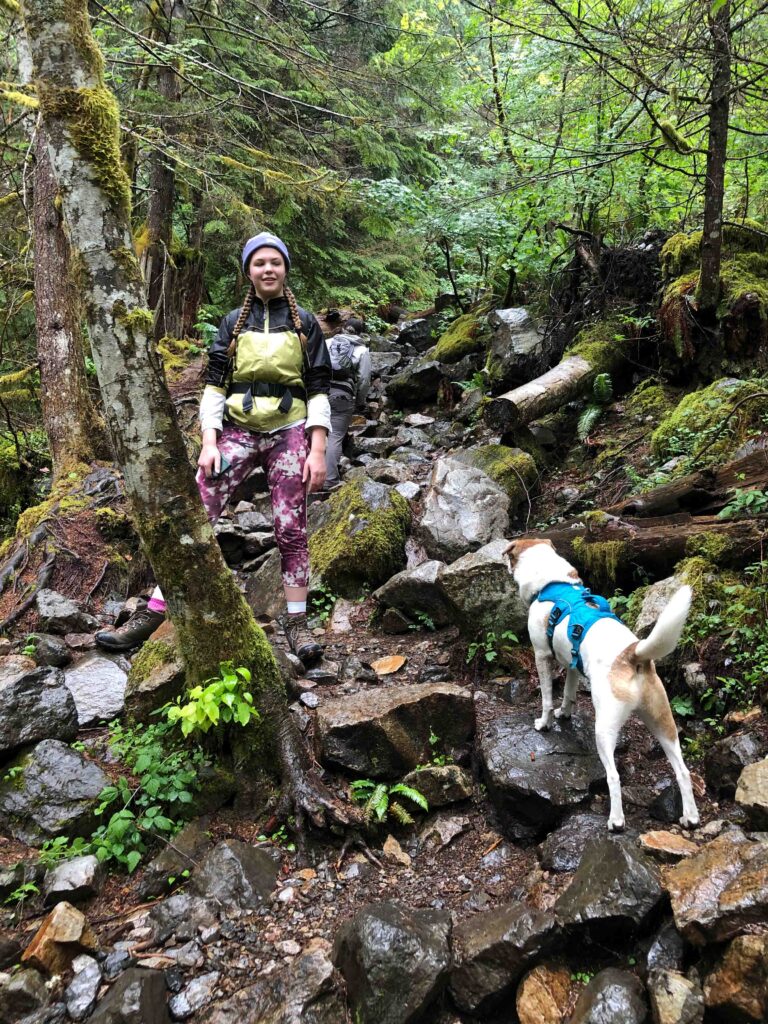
(511, 552)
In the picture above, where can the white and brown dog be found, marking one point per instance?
(620, 668)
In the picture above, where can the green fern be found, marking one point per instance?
(587, 420)
(602, 388)
(602, 393)
(400, 814)
(378, 802)
(411, 793)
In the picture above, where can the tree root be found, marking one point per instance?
(43, 579)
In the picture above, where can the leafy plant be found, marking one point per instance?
(279, 837)
(222, 699)
(602, 393)
(423, 621)
(745, 503)
(322, 601)
(13, 773)
(23, 892)
(682, 706)
(30, 646)
(379, 803)
(491, 646)
(477, 382)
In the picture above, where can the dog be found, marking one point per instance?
(620, 668)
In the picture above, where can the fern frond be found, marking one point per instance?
(587, 420)
(400, 814)
(602, 388)
(412, 794)
(378, 803)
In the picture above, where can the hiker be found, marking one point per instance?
(265, 404)
(350, 383)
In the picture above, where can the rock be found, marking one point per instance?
(381, 361)
(389, 665)
(417, 419)
(15, 875)
(64, 934)
(665, 950)
(511, 468)
(442, 830)
(236, 875)
(394, 852)
(98, 685)
(387, 472)
(752, 794)
(667, 846)
(534, 777)
(83, 991)
(409, 490)
(667, 806)
(719, 892)
(188, 849)
(10, 948)
(518, 353)
(377, 448)
(55, 794)
(305, 992)
(441, 784)
(157, 675)
(418, 590)
(463, 510)
(60, 615)
(137, 997)
(612, 996)
(394, 623)
(417, 384)
(51, 651)
(737, 989)
(394, 960)
(417, 333)
(725, 760)
(73, 880)
(384, 733)
(492, 950)
(194, 996)
(483, 593)
(20, 994)
(655, 598)
(35, 705)
(264, 588)
(562, 849)
(542, 995)
(180, 915)
(354, 670)
(675, 999)
(614, 890)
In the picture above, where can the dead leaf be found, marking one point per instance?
(386, 666)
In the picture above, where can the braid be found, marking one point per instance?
(240, 322)
(295, 315)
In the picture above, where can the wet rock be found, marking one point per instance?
(357, 671)
(542, 994)
(20, 994)
(562, 849)
(612, 996)
(383, 733)
(264, 588)
(675, 999)
(157, 675)
(51, 651)
(304, 991)
(98, 685)
(483, 593)
(188, 849)
(667, 806)
(325, 674)
(181, 915)
(82, 992)
(442, 830)
(54, 794)
(518, 352)
(387, 472)
(752, 794)
(63, 935)
(441, 784)
(137, 997)
(197, 994)
(116, 962)
(418, 590)
(395, 961)
(493, 949)
(726, 759)
(73, 880)
(534, 777)
(614, 890)
(60, 615)
(417, 333)
(665, 950)
(463, 510)
(236, 875)
(737, 989)
(35, 705)
(667, 847)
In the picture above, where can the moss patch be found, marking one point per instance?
(154, 654)
(649, 399)
(602, 559)
(603, 345)
(712, 546)
(512, 469)
(462, 337)
(60, 500)
(176, 356)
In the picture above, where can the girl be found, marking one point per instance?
(265, 404)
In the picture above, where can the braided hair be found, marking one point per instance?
(245, 312)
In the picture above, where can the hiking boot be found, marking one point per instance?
(300, 639)
(140, 627)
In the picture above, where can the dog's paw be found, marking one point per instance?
(562, 713)
(615, 824)
(543, 723)
(690, 821)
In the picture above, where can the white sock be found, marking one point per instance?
(297, 607)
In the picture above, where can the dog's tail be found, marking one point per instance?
(666, 633)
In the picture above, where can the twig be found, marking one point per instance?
(492, 846)
(96, 585)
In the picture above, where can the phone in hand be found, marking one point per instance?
(224, 465)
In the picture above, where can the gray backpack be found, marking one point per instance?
(341, 348)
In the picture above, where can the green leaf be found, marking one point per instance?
(132, 860)
(412, 794)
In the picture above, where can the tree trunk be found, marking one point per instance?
(708, 289)
(212, 620)
(545, 394)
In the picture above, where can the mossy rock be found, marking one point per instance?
(681, 253)
(465, 335)
(157, 675)
(511, 468)
(700, 414)
(650, 399)
(362, 542)
(604, 345)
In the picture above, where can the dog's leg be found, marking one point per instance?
(569, 694)
(663, 728)
(609, 719)
(545, 664)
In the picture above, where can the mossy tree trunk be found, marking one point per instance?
(212, 620)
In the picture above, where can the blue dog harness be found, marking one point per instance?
(584, 609)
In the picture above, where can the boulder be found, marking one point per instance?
(675, 999)
(54, 794)
(384, 733)
(264, 588)
(725, 760)
(542, 994)
(73, 880)
(518, 352)
(463, 510)
(752, 794)
(35, 705)
(417, 333)
(385, 471)
(51, 650)
(187, 850)
(63, 935)
(483, 593)
(511, 468)
(611, 996)
(137, 997)
(417, 384)
(722, 890)
(83, 991)
(236, 875)
(418, 590)
(737, 989)
(194, 996)
(562, 849)
(394, 961)
(381, 362)
(492, 950)
(98, 685)
(535, 777)
(157, 675)
(441, 784)
(663, 951)
(305, 991)
(180, 915)
(21, 993)
(614, 891)
(656, 597)
(60, 615)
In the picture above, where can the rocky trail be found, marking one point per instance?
(507, 900)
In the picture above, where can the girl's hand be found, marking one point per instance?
(314, 471)
(210, 459)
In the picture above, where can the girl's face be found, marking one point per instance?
(267, 272)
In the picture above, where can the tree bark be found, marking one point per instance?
(564, 382)
(708, 289)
